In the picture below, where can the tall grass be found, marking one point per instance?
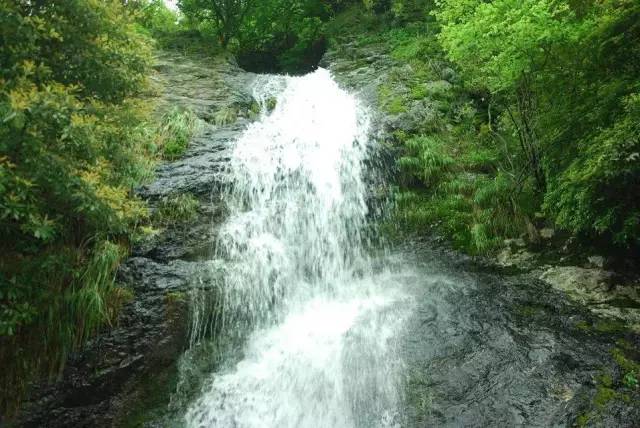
(82, 300)
(176, 209)
(179, 125)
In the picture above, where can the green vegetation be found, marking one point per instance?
(175, 209)
(517, 115)
(74, 140)
(512, 115)
(562, 83)
(76, 135)
(177, 129)
(454, 175)
(265, 35)
(621, 385)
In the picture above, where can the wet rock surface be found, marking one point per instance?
(487, 348)
(102, 385)
(603, 292)
(377, 77)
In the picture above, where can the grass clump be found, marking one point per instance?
(178, 127)
(81, 299)
(458, 190)
(176, 209)
(225, 116)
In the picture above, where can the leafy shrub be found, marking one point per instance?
(573, 115)
(157, 19)
(74, 140)
(598, 192)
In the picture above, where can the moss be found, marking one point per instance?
(583, 419)
(625, 344)
(529, 310)
(610, 388)
(418, 92)
(629, 368)
(396, 106)
(583, 326)
(605, 380)
(625, 363)
(150, 401)
(418, 394)
(610, 326)
(604, 391)
(603, 396)
(175, 297)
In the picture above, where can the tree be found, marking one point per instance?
(227, 15)
(564, 78)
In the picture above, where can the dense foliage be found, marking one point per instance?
(73, 142)
(275, 35)
(532, 115)
(564, 78)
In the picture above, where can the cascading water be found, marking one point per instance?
(320, 320)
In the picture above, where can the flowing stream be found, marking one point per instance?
(320, 315)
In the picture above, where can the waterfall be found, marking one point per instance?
(319, 316)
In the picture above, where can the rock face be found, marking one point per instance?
(599, 290)
(100, 383)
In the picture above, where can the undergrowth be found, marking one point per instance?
(176, 209)
(177, 128)
(453, 179)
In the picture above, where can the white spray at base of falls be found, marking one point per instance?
(321, 350)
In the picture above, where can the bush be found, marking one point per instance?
(574, 116)
(598, 191)
(74, 140)
(267, 36)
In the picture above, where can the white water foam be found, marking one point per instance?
(320, 352)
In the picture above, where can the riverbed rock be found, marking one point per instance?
(98, 382)
(453, 381)
(203, 84)
(599, 290)
(596, 261)
(578, 280)
(516, 257)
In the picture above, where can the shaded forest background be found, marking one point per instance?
(536, 124)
